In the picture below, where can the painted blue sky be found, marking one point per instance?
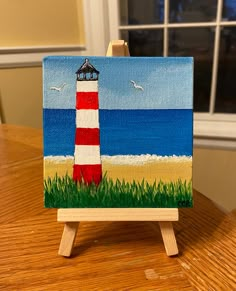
(167, 82)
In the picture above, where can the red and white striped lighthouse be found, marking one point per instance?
(87, 163)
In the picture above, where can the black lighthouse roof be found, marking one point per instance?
(87, 72)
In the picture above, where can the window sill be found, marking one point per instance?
(215, 131)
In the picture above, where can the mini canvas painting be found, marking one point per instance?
(117, 132)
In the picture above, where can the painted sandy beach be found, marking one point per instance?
(129, 168)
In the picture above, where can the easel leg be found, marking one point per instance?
(168, 237)
(68, 238)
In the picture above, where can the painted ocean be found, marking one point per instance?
(164, 132)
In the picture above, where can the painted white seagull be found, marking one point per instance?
(136, 86)
(58, 88)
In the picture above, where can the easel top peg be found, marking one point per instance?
(118, 48)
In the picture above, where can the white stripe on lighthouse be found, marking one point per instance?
(87, 155)
(87, 118)
(87, 86)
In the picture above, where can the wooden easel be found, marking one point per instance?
(72, 216)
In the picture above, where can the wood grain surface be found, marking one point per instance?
(107, 255)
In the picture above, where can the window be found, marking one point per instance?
(204, 29)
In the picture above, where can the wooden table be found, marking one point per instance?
(107, 256)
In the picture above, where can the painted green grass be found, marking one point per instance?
(62, 192)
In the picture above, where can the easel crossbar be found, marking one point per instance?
(117, 214)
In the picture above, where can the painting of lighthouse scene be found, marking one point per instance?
(117, 132)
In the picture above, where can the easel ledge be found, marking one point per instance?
(117, 214)
(72, 216)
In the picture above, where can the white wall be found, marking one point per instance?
(214, 175)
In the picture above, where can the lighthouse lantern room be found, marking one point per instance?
(87, 72)
(87, 159)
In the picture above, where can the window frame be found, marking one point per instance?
(210, 129)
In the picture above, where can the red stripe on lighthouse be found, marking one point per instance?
(88, 173)
(87, 136)
(87, 100)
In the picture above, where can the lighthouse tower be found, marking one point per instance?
(87, 163)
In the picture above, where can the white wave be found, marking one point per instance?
(58, 159)
(127, 159)
(143, 159)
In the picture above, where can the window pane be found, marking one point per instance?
(136, 12)
(192, 10)
(196, 42)
(144, 42)
(229, 10)
(226, 83)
